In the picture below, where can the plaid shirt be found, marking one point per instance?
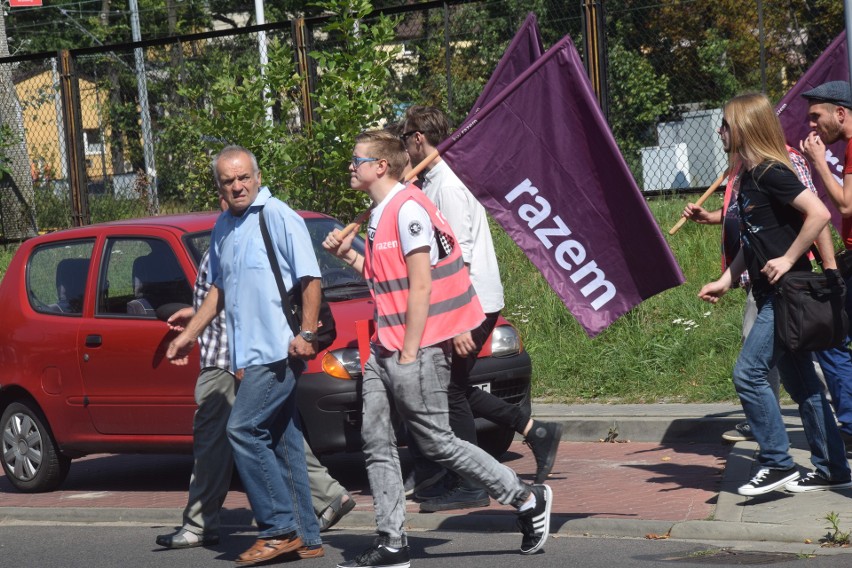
(214, 338)
(803, 171)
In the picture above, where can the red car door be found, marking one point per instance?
(130, 387)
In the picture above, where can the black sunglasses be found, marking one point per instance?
(405, 135)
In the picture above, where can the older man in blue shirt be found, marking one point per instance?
(264, 351)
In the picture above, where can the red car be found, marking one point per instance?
(82, 353)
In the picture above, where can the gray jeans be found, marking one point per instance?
(417, 393)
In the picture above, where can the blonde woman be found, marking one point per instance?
(779, 220)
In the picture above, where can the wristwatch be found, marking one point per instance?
(309, 336)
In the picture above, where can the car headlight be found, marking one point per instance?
(505, 341)
(342, 364)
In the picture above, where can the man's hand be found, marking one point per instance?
(301, 349)
(405, 358)
(813, 148)
(464, 344)
(180, 348)
(179, 320)
(338, 246)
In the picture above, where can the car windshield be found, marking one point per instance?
(339, 280)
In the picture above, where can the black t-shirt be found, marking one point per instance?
(769, 224)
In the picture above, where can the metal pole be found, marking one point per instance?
(142, 87)
(847, 5)
(447, 51)
(60, 125)
(264, 58)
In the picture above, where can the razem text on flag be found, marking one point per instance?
(541, 158)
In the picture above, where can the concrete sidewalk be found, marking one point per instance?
(666, 472)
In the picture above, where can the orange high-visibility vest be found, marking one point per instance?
(453, 305)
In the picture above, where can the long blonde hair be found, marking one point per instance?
(755, 132)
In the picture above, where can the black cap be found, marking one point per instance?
(834, 92)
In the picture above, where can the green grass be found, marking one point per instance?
(645, 356)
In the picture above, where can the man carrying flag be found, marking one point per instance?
(423, 298)
(425, 128)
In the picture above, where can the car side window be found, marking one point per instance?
(139, 276)
(57, 275)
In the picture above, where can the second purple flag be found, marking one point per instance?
(541, 158)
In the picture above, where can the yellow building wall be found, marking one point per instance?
(38, 98)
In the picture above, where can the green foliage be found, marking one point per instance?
(6, 141)
(638, 98)
(714, 61)
(836, 537)
(304, 163)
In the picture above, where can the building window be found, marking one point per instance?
(92, 141)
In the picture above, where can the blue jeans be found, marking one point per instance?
(269, 451)
(760, 352)
(837, 368)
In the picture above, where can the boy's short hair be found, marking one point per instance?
(386, 146)
(430, 121)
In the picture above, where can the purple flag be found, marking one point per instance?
(792, 111)
(541, 158)
(522, 51)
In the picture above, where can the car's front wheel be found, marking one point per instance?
(30, 457)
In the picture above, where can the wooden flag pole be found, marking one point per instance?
(701, 200)
(408, 177)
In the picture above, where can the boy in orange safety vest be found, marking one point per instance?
(423, 298)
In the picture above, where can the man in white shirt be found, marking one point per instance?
(423, 129)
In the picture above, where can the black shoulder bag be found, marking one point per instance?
(292, 302)
(810, 308)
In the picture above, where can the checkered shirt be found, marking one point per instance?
(214, 338)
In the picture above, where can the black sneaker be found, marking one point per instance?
(438, 489)
(768, 480)
(535, 523)
(815, 482)
(378, 556)
(543, 439)
(740, 433)
(413, 483)
(460, 497)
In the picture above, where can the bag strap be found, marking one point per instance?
(295, 326)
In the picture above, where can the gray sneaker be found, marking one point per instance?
(740, 433)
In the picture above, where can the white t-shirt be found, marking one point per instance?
(468, 221)
(415, 226)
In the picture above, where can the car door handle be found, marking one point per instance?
(93, 341)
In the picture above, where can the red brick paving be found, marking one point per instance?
(633, 480)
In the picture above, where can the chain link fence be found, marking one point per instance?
(670, 65)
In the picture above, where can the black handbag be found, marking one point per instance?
(810, 313)
(810, 308)
(292, 302)
(844, 262)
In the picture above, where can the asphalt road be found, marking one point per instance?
(71, 546)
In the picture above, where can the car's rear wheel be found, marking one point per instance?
(30, 457)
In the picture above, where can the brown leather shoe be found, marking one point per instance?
(309, 552)
(268, 548)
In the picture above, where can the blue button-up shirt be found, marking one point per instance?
(258, 332)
